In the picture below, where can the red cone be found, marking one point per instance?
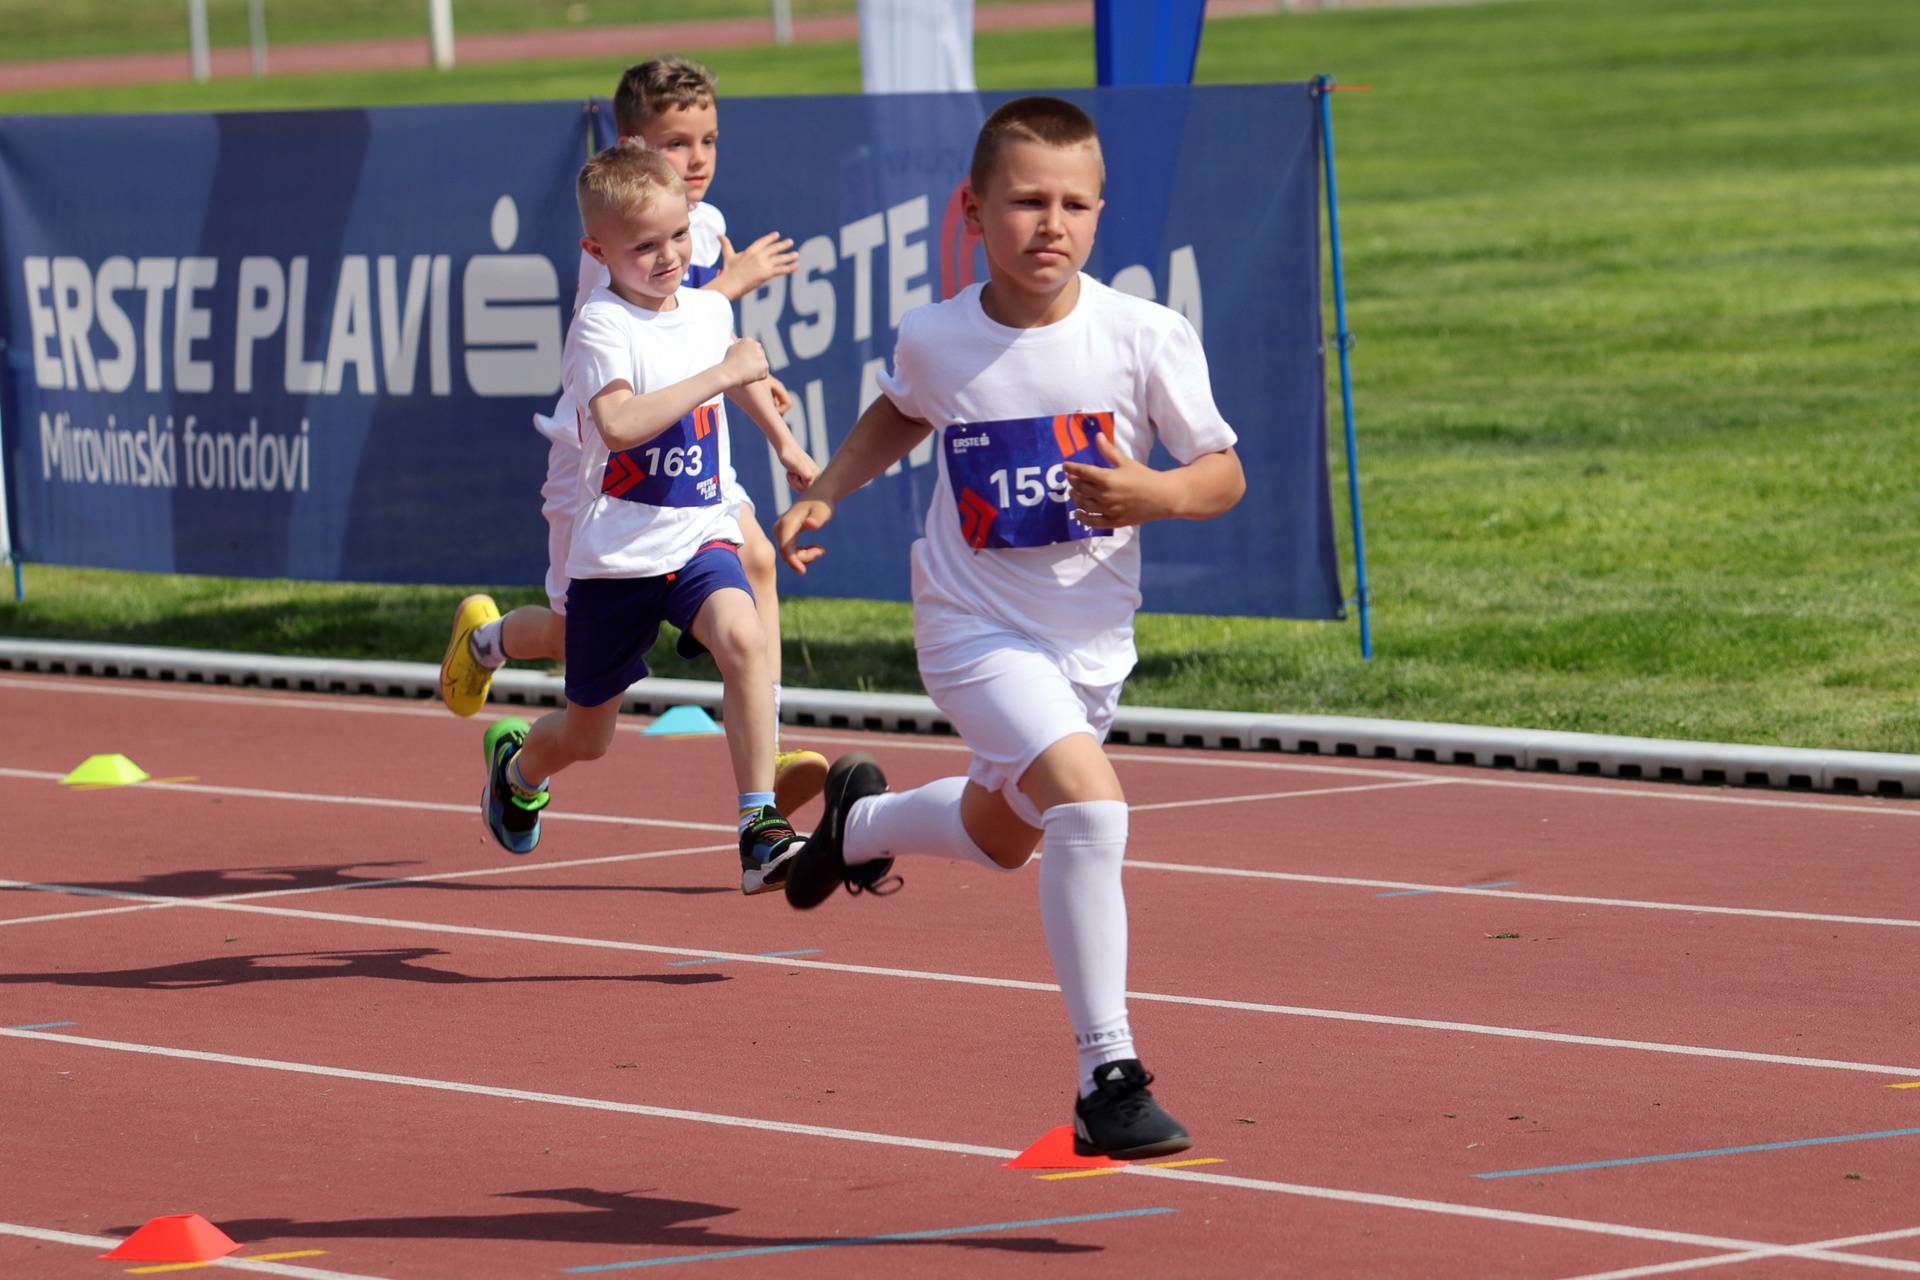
(1055, 1151)
(178, 1237)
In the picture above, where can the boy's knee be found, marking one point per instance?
(1009, 857)
(737, 641)
(757, 558)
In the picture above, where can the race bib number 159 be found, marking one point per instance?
(1009, 478)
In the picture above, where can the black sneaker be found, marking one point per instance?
(1121, 1120)
(768, 847)
(820, 868)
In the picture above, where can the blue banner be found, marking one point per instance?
(311, 344)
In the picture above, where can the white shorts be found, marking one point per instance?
(1009, 700)
(560, 504)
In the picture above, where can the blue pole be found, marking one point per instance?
(1343, 340)
(19, 584)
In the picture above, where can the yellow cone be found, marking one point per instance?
(106, 771)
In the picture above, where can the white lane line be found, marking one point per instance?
(432, 806)
(1006, 984)
(47, 1236)
(1288, 795)
(513, 868)
(897, 1140)
(1816, 1249)
(1636, 904)
(378, 802)
(1863, 805)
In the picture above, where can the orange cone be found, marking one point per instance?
(1055, 1151)
(178, 1237)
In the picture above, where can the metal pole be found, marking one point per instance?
(257, 36)
(440, 33)
(202, 61)
(7, 552)
(1322, 88)
(783, 21)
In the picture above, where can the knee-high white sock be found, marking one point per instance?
(923, 820)
(1084, 912)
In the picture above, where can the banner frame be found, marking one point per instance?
(1323, 86)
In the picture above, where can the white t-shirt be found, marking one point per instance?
(1008, 407)
(705, 225)
(647, 509)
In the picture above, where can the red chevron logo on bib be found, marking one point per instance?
(976, 518)
(622, 474)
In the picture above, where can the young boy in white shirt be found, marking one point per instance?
(1046, 390)
(670, 104)
(647, 361)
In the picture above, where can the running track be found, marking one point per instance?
(301, 993)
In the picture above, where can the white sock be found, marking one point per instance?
(924, 820)
(1084, 912)
(486, 646)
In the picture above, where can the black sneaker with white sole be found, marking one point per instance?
(821, 866)
(1121, 1120)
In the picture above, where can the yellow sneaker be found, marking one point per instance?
(797, 778)
(463, 681)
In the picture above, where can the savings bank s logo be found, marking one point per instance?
(511, 315)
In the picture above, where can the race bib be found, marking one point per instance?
(1009, 479)
(680, 467)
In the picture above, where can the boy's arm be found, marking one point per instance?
(625, 419)
(757, 400)
(881, 438)
(1127, 492)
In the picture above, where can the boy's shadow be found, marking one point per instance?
(394, 963)
(221, 882)
(602, 1217)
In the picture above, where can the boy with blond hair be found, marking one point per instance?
(1046, 391)
(647, 363)
(670, 104)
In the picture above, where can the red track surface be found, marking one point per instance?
(584, 1058)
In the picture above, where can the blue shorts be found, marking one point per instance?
(612, 622)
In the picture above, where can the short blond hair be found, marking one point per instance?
(624, 179)
(652, 88)
(1051, 122)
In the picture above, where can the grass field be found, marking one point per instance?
(1639, 331)
(38, 29)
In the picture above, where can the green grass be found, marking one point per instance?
(65, 28)
(1636, 379)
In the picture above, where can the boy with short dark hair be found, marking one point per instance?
(647, 361)
(1046, 390)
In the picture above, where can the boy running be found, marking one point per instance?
(647, 361)
(1046, 390)
(670, 104)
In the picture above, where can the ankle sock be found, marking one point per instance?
(487, 646)
(751, 803)
(517, 781)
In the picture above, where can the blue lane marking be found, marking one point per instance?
(42, 1026)
(808, 951)
(865, 1240)
(1408, 893)
(1696, 1155)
